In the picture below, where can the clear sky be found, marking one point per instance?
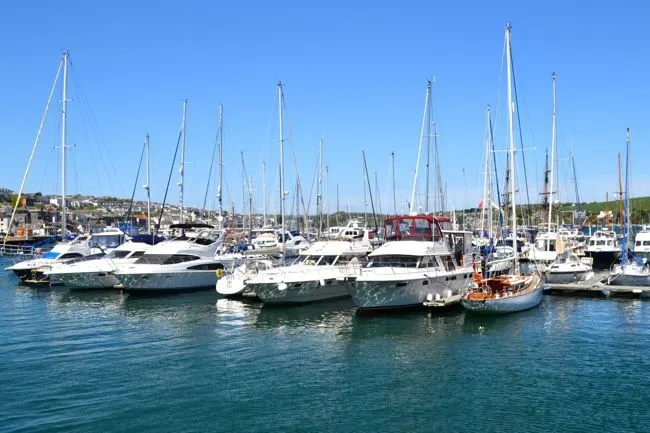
(354, 73)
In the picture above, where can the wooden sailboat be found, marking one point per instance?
(511, 292)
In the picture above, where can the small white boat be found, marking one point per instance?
(568, 268)
(233, 282)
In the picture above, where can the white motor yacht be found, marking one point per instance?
(180, 264)
(79, 248)
(642, 243)
(421, 261)
(603, 249)
(568, 268)
(320, 273)
(98, 273)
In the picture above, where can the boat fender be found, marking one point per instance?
(219, 273)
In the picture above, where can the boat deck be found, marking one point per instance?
(597, 286)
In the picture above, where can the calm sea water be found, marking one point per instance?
(103, 361)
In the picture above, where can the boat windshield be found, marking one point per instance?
(326, 260)
(393, 262)
(118, 254)
(108, 241)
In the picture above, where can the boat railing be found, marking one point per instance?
(401, 270)
(25, 251)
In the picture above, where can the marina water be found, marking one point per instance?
(104, 361)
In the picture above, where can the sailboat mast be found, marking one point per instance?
(148, 187)
(64, 123)
(553, 146)
(392, 156)
(264, 192)
(511, 129)
(319, 195)
(486, 174)
(219, 188)
(426, 199)
(627, 221)
(280, 104)
(620, 192)
(181, 184)
(417, 164)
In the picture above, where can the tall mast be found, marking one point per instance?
(182, 168)
(486, 174)
(319, 194)
(575, 184)
(243, 191)
(280, 104)
(365, 199)
(148, 187)
(392, 156)
(511, 129)
(337, 199)
(264, 192)
(327, 205)
(553, 146)
(220, 138)
(426, 198)
(417, 164)
(620, 192)
(378, 194)
(626, 220)
(64, 122)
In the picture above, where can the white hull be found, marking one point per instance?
(88, 280)
(568, 277)
(407, 291)
(162, 281)
(300, 292)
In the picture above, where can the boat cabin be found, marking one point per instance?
(416, 228)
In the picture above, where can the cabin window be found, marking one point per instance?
(637, 243)
(447, 263)
(428, 262)
(646, 243)
(393, 261)
(71, 256)
(389, 229)
(136, 254)
(206, 267)
(405, 227)
(164, 259)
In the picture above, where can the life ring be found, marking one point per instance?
(219, 273)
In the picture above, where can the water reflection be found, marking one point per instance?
(334, 316)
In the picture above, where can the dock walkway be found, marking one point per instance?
(597, 286)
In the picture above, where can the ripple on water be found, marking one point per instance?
(110, 362)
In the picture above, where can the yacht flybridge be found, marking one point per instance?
(423, 260)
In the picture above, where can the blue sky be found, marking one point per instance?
(354, 73)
